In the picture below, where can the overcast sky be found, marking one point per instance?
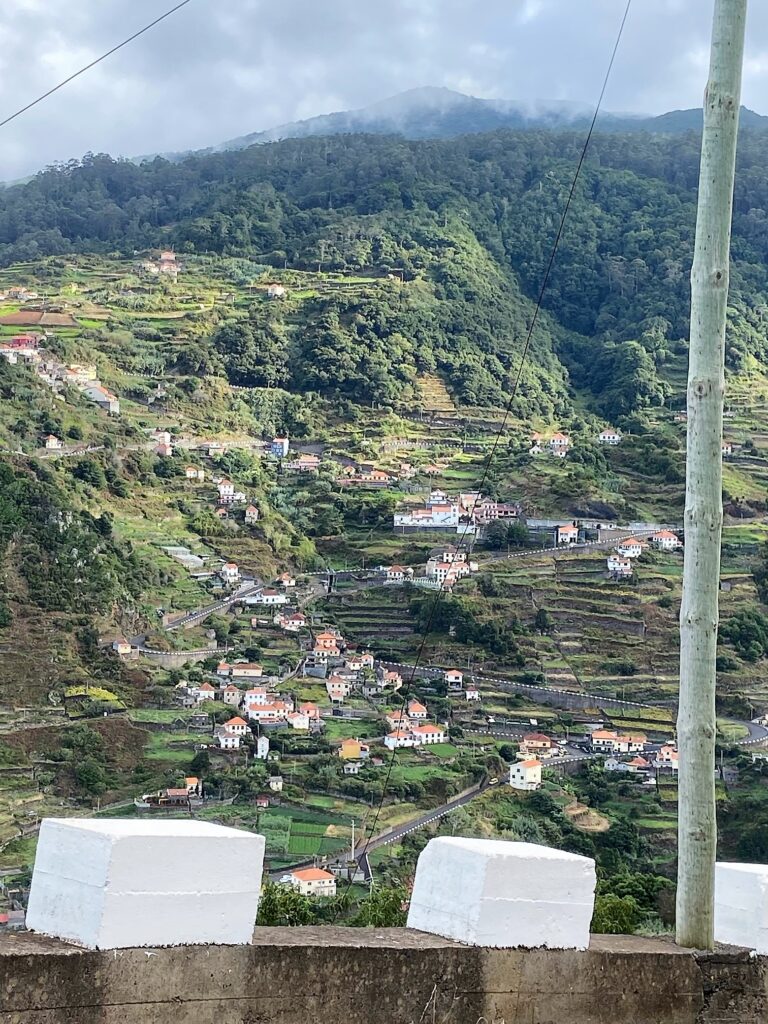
(223, 68)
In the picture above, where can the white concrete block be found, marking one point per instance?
(488, 892)
(741, 905)
(110, 884)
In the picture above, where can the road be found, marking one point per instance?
(199, 614)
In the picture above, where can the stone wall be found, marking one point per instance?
(389, 976)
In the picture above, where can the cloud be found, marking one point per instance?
(216, 70)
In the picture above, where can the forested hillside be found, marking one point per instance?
(468, 225)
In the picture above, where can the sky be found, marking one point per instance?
(218, 69)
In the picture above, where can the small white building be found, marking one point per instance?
(428, 733)
(53, 443)
(609, 436)
(400, 738)
(453, 676)
(630, 548)
(251, 514)
(246, 670)
(194, 473)
(279, 447)
(525, 775)
(121, 647)
(567, 534)
(559, 445)
(666, 540)
(472, 693)
(276, 291)
(311, 881)
(417, 712)
(262, 748)
(230, 572)
(618, 566)
(231, 695)
(276, 783)
(236, 726)
(226, 491)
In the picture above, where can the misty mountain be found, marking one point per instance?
(430, 113)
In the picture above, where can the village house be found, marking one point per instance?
(389, 677)
(416, 711)
(397, 720)
(164, 450)
(53, 443)
(353, 750)
(667, 757)
(275, 783)
(262, 748)
(269, 714)
(326, 643)
(257, 696)
(618, 566)
(303, 464)
(630, 548)
(221, 513)
(398, 574)
(269, 597)
(286, 580)
(338, 689)
(567, 534)
(609, 436)
(223, 669)
(291, 623)
(472, 693)
(559, 445)
(298, 721)
(312, 711)
(236, 726)
(226, 491)
(525, 775)
(429, 733)
(251, 514)
(276, 291)
(194, 473)
(400, 738)
(617, 743)
(279, 447)
(489, 511)
(229, 572)
(351, 768)
(536, 744)
(121, 647)
(666, 540)
(311, 881)
(453, 677)
(231, 695)
(246, 670)
(726, 448)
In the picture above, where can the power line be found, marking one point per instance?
(518, 378)
(93, 63)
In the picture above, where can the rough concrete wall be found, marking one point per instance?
(354, 976)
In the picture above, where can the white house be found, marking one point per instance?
(665, 540)
(251, 514)
(619, 566)
(275, 783)
(525, 775)
(726, 448)
(286, 580)
(567, 534)
(292, 623)
(428, 733)
(121, 647)
(246, 670)
(203, 692)
(262, 748)
(164, 450)
(609, 436)
(559, 445)
(257, 696)
(229, 572)
(298, 721)
(227, 740)
(279, 447)
(269, 597)
(312, 881)
(338, 689)
(416, 711)
(396, 573)
(276, 291)
(53, 443)
(226, 491)
(193, 473)
(630, 548)
(236, 726)
(667, 757)
(453, 676)
(400, 738)
(223, 669)
(472, 693)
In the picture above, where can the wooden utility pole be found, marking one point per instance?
(697, 828)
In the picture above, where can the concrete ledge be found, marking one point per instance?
(390, 976)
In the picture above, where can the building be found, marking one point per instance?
(257, 697)
(453, 676)
(53, 443)
(286, 580)
(262, 748)
(726, 448)
(304, 464)
(236, 726)
(276, 291)
(567, 534)
(311, 881)
(400, 738)
(338, 689)
(121, 647)
(226, 490)
(536, 744)
(227, 740)
(429, 733)
(525, 775)
(618, 566)
(164, 450)
(223, 669)
(246, 670)
(203, 692)
(472, 693)
(630, 548)
(104, 398)
(231, 695)
(275, 783)
(298, 721)
(609, 436)
(291, 623)
(312, 711)
(353, 750)
(194, 473)
(416, 711)
(279, 447)
(665, 540)
(229, 572)
(397, 573)
(608, 741)
(559, 445)
(268, 597)
(667, 757)
(251, 514)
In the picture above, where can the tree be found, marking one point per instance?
(382, 908)
(615, 915)
(543, 621)
(496, 535)
(282, 905)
